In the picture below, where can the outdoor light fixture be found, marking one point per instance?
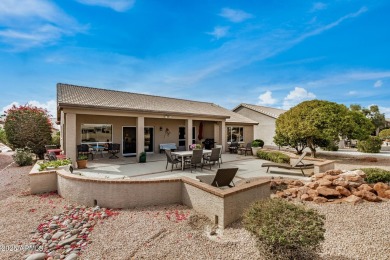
(161, 128)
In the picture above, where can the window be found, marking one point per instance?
(235, 134)
(182, 135)
(92, 133)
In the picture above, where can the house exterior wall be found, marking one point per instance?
(265, 130)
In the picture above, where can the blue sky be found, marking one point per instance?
(272, 53)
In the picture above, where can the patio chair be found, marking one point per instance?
(195, 160)
(113, 149)
(213, 157)
(299, 165)
(247, 148)
(171, 159)
(233, 147)
(223, 177)
(220, 153)
(83, 149)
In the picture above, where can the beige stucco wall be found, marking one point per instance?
(265, 130)
(118, 193)
(226, 206)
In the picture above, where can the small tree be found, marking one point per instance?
(373, 114)
(28, 126)
(384, 134)
(3, 137)
(317, 122)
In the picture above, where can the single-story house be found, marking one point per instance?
(140, 123)
(265, 117)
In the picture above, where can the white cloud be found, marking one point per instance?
(266, 99)
(27, 24)
(296, 96)
(235, 15)
(117, 5)
(378, 84)
(385, 110)
(352, 93)
(50, 106)
(219, 32)
(318, 6)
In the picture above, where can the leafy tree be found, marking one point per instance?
(317, 123)
(384, 134)
(28, 126)
(378, 119)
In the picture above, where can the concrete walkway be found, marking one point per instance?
(249, 167)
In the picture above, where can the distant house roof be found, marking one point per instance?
(87, 97)
(269, 111)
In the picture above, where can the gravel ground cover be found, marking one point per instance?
(359, 231)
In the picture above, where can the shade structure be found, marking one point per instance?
(200, 134)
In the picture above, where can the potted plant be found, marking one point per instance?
(54, 164)
(82, 160)
(257, 145)
(142, 157)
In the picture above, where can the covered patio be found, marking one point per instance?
(154, 168)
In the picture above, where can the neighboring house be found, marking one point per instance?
(55, 128)
(265, 116)
(140, 122)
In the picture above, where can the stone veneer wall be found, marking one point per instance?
(223, 206)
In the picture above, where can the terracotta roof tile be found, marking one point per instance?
(269, 111)
(71, 95)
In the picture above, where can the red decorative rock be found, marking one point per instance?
(327, 192)
(381, 188)
(343, 191)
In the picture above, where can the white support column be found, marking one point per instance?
(62, 130)
(188, 133)
(70, 137)
(140, 135)
(222, 135)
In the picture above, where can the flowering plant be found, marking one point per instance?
(195, 146)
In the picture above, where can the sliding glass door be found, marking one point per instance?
(129, 146)
(149, 136)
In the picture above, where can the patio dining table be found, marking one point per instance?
(184, 154)
(98, 148)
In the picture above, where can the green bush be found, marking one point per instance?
(257, 143)
(330, 147)
(55, 164)
(3, 137)
(55, 140)
(375, 175)
(371, 145)
(23, 157)
(384, 134)
(285, 230)
(277, 157)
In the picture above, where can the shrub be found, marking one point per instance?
(257, 143)
(3, 137)
(23, 157)
(285, 230)
(371, 145)
(55, 164)
(277, 157)
(375, 175)
(331, 147)
(56, 139)
(384, 134)
(28, 126)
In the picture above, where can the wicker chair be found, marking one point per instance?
(196, 159)
(247, 148)
(213, 157)
(171, 160)
(113, 149)
(83, 149)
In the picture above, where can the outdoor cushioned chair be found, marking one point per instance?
(247, 148)
(196, 159)
(213, 157)
(171, 159)
(223, 177)
(298, 165)
(113, 149)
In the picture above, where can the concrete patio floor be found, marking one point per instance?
(127, 168)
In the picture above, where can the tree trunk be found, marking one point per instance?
(310, 144)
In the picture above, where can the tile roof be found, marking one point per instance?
(269, 111)
(71, 95)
